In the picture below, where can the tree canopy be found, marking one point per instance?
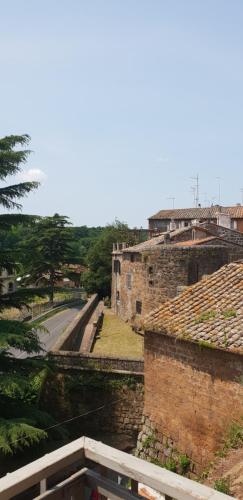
(21, 421)
(48, 249)
(98, 277)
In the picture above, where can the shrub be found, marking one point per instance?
(184, 462)
(170, 464)
(149, 441)
(222, 485)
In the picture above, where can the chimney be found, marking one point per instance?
(166, 238)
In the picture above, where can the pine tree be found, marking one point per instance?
(21, 422)
(49, 248)
(11, 161)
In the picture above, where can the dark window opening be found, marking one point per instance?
(151, 282)
(138, 307)
(129, 281)
(132, 257)
(117, 295)
(150, 270)
(193, 273)
(10, 287)
(117, 266)
(186, 224)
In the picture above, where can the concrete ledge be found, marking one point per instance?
(71, 337)
(87, 361)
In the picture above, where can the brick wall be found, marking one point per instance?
(155, 275)
(192, 395)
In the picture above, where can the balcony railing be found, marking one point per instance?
(84, 466)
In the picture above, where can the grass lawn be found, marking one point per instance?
(117, 338)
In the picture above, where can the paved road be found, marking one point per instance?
(55, 325)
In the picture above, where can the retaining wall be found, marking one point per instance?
(88, 361)
(71, 338)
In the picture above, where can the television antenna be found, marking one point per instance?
(195, 190)
(172, 198)
(219, 188)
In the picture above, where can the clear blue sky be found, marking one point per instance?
(125, 100)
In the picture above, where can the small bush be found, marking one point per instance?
(170, 464)
(222, 485)
(235, 436)
(149, 441)
(184, 462)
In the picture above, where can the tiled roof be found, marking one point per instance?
(190, 243)
(158, 240)
(146, 245)
(210, 312)
(199, 213)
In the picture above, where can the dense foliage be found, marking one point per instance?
(98, 276)
(48, 249)
(21, 422)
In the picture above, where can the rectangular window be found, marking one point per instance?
(129, 281)
(117, 266)
(138, 307)
(117, 295)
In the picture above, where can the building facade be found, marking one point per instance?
(165, 220)
(147, 275)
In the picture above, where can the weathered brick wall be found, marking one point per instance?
(156, 275)
(192, 395)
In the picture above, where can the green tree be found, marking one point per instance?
(48, 249)
(11, 161)
(98, 277)
(21, 422)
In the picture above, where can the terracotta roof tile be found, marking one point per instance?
(199, 213)
(209, 311)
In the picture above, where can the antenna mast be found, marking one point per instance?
(219, 190)
(172, 198)
(195, 190)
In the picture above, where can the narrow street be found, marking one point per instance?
(55, 325)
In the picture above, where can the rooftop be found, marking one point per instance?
(210, 311)
(161, 239)
(199, 213)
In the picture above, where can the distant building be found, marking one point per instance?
(7, 282)
(148, 274)
(165, 220)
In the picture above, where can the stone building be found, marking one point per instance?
(164, 220)
(194, 369)
(7, 282)
(148, 274)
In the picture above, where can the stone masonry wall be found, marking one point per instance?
(119, 399)
(228, 234)
(193, 395)
(155, 275)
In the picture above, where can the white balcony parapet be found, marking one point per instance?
(64, 472)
